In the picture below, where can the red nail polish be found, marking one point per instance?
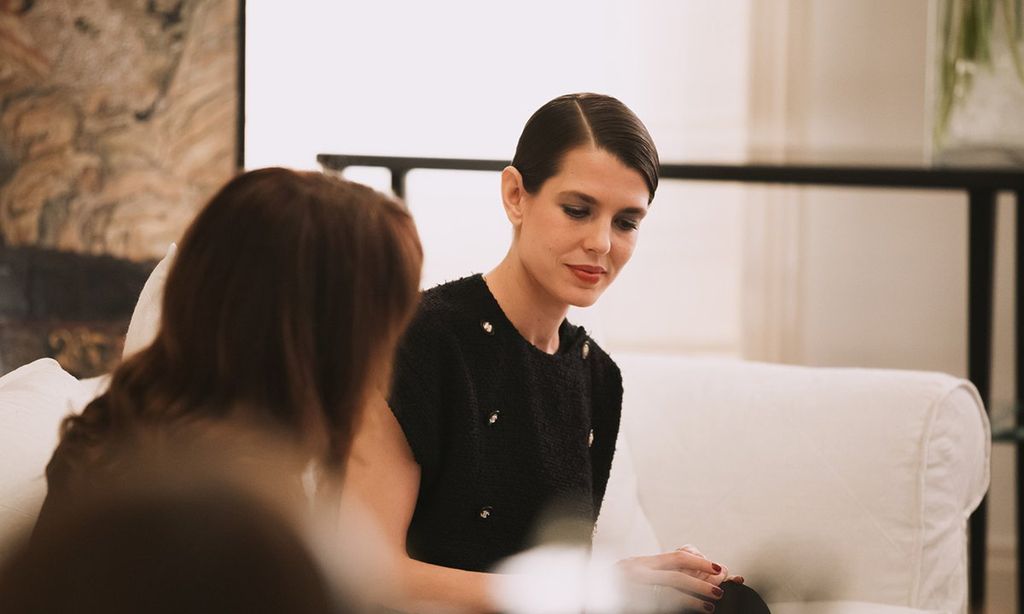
(710, 607)
(716, 567)
(717, 592)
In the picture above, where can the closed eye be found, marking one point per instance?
(627, 224)
(577, 213)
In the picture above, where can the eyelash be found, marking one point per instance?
(579, 213)
(628, 225)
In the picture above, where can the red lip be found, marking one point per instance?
(589, 268)
(587, 273)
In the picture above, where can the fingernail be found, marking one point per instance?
(738, 580)
(717, 592)
(716, 567)
(710, 607)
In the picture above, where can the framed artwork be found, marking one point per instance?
(118, 120)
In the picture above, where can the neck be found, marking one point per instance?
(531, 309)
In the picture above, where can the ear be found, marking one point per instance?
(512, 194)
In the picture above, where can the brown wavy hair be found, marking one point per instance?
(282, 308)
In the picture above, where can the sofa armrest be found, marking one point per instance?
(816, 484)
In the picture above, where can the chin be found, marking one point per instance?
(580, 297)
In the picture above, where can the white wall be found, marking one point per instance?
(459, 78)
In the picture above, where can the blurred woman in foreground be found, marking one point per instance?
(280, 314)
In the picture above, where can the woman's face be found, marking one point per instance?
(580, 228)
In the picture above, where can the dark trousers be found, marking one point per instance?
(739, 599)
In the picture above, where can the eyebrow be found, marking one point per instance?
(637, 211)
(590, 200)
(587, 198)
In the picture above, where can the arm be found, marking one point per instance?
(383, 475)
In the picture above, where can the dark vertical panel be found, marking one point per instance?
(240, 128)
(398, 182)
(1019, 389)
(981, 266)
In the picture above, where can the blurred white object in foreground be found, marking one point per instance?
(558, 579)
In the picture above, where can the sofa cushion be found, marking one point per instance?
(623, 529)
(844, 607)
(813, 483)
(33, 400)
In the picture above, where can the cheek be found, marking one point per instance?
(539, 241)
(550, 235)
(622, 250)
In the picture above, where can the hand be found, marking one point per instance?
(723, 576)
(694, 578)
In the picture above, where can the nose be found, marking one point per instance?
(599, 238)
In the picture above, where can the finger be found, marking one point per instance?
(714, 578)
(680, 560)
(681, 582)
(674, 601)
(736, 579)
(692, 550)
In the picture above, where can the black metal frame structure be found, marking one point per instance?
(981, 187)
(240, 92)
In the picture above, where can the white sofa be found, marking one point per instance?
(829, 490)
(833, 491)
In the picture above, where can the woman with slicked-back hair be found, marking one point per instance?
(281, 312)
(502, 412)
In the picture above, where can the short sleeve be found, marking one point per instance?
(416, 388)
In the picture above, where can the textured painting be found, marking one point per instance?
(118, 119)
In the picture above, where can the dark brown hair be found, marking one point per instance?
(573, 120)
(282, 308)
(169, 539)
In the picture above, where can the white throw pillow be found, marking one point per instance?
(33, 401)
(146, 317)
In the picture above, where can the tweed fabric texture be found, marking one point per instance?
(508, 437)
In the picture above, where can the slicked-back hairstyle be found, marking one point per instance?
(288, 291)
(574, 120)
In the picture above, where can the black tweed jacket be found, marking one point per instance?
(507, 436)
